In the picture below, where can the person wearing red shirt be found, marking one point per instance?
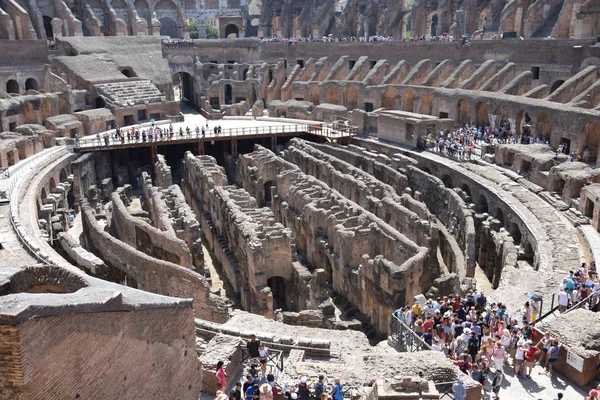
(530, 358)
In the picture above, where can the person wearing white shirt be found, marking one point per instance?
(563, 300)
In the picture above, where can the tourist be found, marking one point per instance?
(593, 395)
(530, 357)
(520, 358)
(336, 390)
(252, 393)
(253, 346)
(221, 376)
(553, 353)
(302, 388)
(563, 300)
(266, 392)
(220, 395)
(459, 390)
(263, 353)
(320, 389)
(559, 396)
(236, 393)
(499, 356)
(250, 381)
(496, 382)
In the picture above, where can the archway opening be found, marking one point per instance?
(467, 191)
(332, 95)
(389, 99)
(314, 95)
(127, 72)
(48, 27)
(501, 117)
(543, 126)
(31, 84)
(463, 112)
(483, 114)
(277, 285)
(434, 23)
(52, 184)
(482, 204)
(183, 85)
(100, 102)
(43, 194)
(556, 85)
(232, 31)
(228, 94)
(500, 216)
(447, 181)
(12, 86)
(352, 98)
(523, 122)
(270, 189)
(515, 232)
(168, 27)
(590, 140)
(408, 101)
(63, 175)
(426, 106)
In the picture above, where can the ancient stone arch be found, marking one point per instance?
(408, 100)
(31, 84)
(463, 112)
(590, 139)
(388, 99)
(12, 86)
(46, 109)
(332, 95)
(543, 125)
(426, 106)
(314, 95)
(483, 115)
(351, 97)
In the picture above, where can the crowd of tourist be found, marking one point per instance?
(153, 134)
(328, 39)
(482, 339)
(259, 384)
(178, 42)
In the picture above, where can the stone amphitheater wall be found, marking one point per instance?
(149, 273)
(162, 245)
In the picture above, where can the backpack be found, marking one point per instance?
(318, 389)
(336, 392)
(473, 348)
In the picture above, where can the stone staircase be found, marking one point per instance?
(130, 93)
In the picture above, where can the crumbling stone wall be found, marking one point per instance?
(251, 245)
(368, 262)
(162, 172)
(170, 213)
(148, 273)
(162, 245)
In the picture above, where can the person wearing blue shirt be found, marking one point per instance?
(459, 389)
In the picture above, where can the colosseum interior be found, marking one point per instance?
(164, 196)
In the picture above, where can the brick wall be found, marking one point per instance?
(113, 355)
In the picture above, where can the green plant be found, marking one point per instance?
(211, 32)
(193, 28)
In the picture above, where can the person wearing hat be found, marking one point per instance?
(266, 392)
(459, 390)
(593, 395)
(520, 358)
(496, 382)
(302, 388)
(530, 358)
(221, 396)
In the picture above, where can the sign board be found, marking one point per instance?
(575, 361)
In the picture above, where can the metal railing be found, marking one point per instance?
(445, 389)
(404, 339)
(107, 139)
(274, 360)
(587, 302)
